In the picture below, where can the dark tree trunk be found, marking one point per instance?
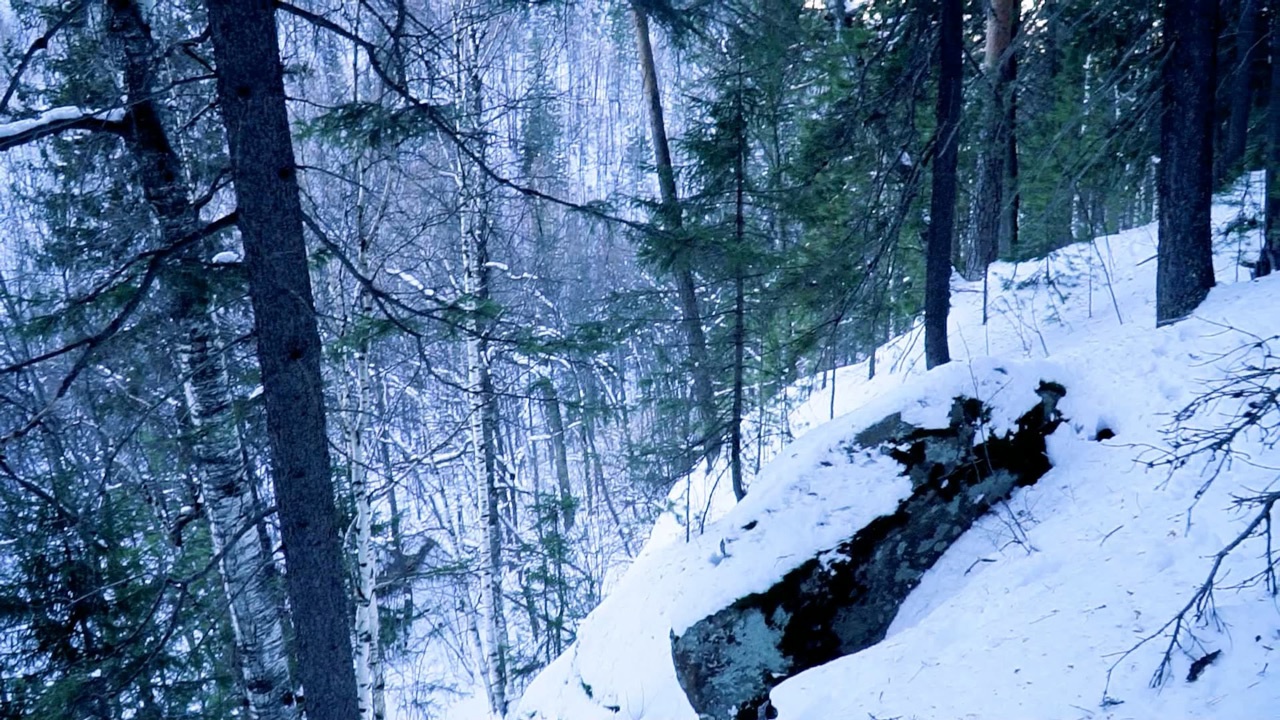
(990, 195)
(942, 207)
(1241, 91)
(1009, 76)
(1184, 271)
(673, 222)
(739, 291)
(1271, 245)
(252, 99)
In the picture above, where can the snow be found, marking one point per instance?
(1034, 612)
(226, 257)
(56, 115)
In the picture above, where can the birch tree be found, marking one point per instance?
(227, 486)
(475, 228)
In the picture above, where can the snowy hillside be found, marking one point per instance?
(1067, 587)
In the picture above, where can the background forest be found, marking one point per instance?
(569, 263)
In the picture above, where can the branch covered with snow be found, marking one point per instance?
(56, 120)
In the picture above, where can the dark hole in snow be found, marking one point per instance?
(1104, 433)
(751, 525)
(845, 601)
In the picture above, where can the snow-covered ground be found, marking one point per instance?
(1028, 614)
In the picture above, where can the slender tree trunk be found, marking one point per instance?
(1269, 259)
(474, 229)
(367, 653)
(1242, 91)
(559, 453)
(1241, 100)
(989, 196)
(1013, 194)
(739, 293)
(226, 484)
(252, 100)
(673, 222)
(1184, 271)
(942, 207)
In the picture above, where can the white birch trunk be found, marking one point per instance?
(474, 229)
(233, 513)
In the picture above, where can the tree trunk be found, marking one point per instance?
(937, 294)
(989, 196)
(252, 100)
(226, 484)
(1012, 193)
(673, 222)
(559, 453)
(1241, 100)
(739, 291)
(368, 658)
(1184, 271)
(1270, 256)
(474, 228)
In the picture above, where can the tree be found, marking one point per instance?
(937, 292)
(1184, 270)
(672, 224)
(993, 223)
(227, 486)
(475, 230)
(252, 99)
(1269, 259)
(1239, 80)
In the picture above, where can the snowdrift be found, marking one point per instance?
(1055, 604)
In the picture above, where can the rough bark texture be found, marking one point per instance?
(1184, 271)
(739, 294)
(942, 206)
(251, 97)
(226, 485)
(1270, 256)
(673, 222)
(1012, 207)
(1241, 99)
(845, 601)
(989, 214)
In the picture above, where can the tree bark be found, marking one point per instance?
(1012, 205)
(368, 658)
(989, 213)
(739, 291)
(1241, 91)
(1270, 256)
(252, 99)
(559, 453)
(673, 222)
(474, 221)
(225, 481)
(1184, 271)
(937, 294)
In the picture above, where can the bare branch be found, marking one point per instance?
(40, 43)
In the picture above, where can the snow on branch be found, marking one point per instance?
(56, 120)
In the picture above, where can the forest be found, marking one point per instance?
(350, 350)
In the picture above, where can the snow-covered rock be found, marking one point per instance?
(1056, 604)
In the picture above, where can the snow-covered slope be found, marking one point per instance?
(1030, 613)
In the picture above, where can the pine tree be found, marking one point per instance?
(1184, 271)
